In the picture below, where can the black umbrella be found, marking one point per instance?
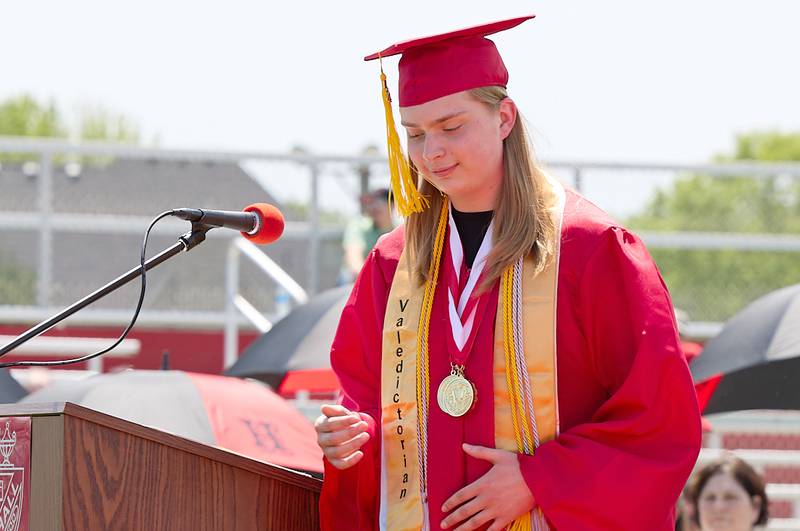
(300, 341)
(10, 389)
(758, 355)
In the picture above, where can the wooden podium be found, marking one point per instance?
(92, 471)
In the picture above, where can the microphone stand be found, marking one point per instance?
(185, 242)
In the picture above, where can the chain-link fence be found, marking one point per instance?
(72, 218)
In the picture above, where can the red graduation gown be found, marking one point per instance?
(629, 422)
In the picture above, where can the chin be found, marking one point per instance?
(451, 191)
(444, 185)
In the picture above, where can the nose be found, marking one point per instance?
(433, 148)
(719, 505)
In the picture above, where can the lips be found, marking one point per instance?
(443, 172)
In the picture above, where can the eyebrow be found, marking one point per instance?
(436, 121)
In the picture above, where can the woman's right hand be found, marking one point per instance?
(341, 433)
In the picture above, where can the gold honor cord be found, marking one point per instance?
(511, 376)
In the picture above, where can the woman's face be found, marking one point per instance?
(725, 505)
(456, 142)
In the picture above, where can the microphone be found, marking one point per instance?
(260, 223)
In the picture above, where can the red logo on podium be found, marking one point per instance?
(15, 454)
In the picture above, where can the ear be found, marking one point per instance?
(508, 117)
(757, 502)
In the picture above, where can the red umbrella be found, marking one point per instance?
(238, 415)
(321, 383)
(703, 390)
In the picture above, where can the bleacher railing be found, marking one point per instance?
(236, 302)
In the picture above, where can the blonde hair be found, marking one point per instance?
(522, 220)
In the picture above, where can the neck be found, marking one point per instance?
(481, 202)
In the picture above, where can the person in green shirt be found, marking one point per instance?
(363, 232)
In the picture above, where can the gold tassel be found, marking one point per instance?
(404, 190)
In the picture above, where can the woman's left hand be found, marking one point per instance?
(500, 495)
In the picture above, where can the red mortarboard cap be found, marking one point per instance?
(439, 65)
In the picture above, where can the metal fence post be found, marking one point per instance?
(231, 316)
(44, 278)
(314, 255)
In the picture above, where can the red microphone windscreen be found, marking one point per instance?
(271, 223)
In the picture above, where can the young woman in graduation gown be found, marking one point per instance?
(525, 374)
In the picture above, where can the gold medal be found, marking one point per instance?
(456, 395)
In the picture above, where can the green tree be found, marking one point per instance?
(98, 123)
(770, 145)
(24, 116)
(712, 285)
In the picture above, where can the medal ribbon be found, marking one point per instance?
(465, 310)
